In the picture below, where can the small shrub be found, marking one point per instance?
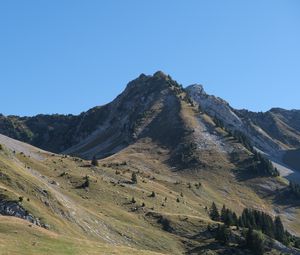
(153, 194)
(134, 178)
(94, 161)
(165, 224)
(86, 183)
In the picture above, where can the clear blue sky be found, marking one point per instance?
(65, 56)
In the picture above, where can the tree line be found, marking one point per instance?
(263, 166)
(256, 222)
(294, 188)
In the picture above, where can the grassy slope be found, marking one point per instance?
(103, 216)
(107, 201)
(19, 237)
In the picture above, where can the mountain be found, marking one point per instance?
(187, 149)
(146, 101)
(104, 130)
(276, 132)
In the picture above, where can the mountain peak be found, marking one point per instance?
(159, 80)
(160, 74)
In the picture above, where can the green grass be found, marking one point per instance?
(19, 237)
(102, 220)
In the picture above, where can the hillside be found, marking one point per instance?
(276, 132)
(184, 160)
(104, 211)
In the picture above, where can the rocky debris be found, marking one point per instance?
(214, 106)
(233, 119)
(15, 209)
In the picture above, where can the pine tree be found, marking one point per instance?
(258, 243)
(255, 241)
(223, 234)
(134, 178)
(228, 218)
(214, 213)
(235, 219)
(95, 161)
(249, 238)
(279, 229)
(223, 214)
(294, 189)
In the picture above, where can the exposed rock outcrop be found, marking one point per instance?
(13, 208)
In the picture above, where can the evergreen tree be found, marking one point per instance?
(249, 238)
(297, 242)
(214, 213)
(279, 229)
(228, 219)
(257, 220)
(94, 161)
(223, 214)
(255, 241)
(263, 166)
(258, 243)
(134, 178)
(235, 219)
(294, 189)
(223, 234)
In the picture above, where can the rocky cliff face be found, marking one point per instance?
(273, 132)
(214, 106)
(12, 208)
(147, 104)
